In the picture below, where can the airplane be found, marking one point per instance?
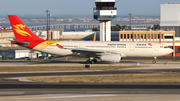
(111, 51)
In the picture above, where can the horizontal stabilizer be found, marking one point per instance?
(21, 43)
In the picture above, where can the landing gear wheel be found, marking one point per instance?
(94, 60)
(154, 61)
(88, 61)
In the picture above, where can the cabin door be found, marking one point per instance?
(131, 47)
(156, 47)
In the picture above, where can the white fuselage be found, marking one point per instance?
(126, 49)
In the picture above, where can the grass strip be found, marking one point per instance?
(59, 68)
(121, 78)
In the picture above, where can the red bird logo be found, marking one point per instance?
(150, 44)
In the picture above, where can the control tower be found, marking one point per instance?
(105, 12)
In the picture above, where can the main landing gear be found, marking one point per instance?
(91, 61)
(154, 61)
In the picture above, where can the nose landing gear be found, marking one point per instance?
(154, 61)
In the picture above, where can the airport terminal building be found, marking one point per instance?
(170, 17)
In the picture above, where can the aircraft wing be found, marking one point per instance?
(90, 52)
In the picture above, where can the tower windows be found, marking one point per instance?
(105, 6)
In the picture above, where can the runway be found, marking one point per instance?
(94, 97)
(36, 88)
(14, 90)
(39, 91)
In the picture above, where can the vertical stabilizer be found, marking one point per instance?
(22, 33)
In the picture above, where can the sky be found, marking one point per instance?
(78, 7)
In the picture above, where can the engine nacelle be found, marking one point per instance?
(111, 57)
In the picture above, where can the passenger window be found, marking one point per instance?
(166, 47)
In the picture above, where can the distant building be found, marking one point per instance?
(5, 37)
(15, 53)
(54, 35)
(77, 35)
(170, 17)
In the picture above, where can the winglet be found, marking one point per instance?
(94, 37)
(59, 46)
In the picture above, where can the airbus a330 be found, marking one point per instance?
(111, 51)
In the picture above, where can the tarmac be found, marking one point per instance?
(15, 90)
(94, 97)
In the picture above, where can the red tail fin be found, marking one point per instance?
(22, 32)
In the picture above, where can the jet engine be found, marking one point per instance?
(111, 57)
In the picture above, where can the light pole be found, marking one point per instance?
(130, 20)
(48, 23)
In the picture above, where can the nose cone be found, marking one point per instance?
(170, 50)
